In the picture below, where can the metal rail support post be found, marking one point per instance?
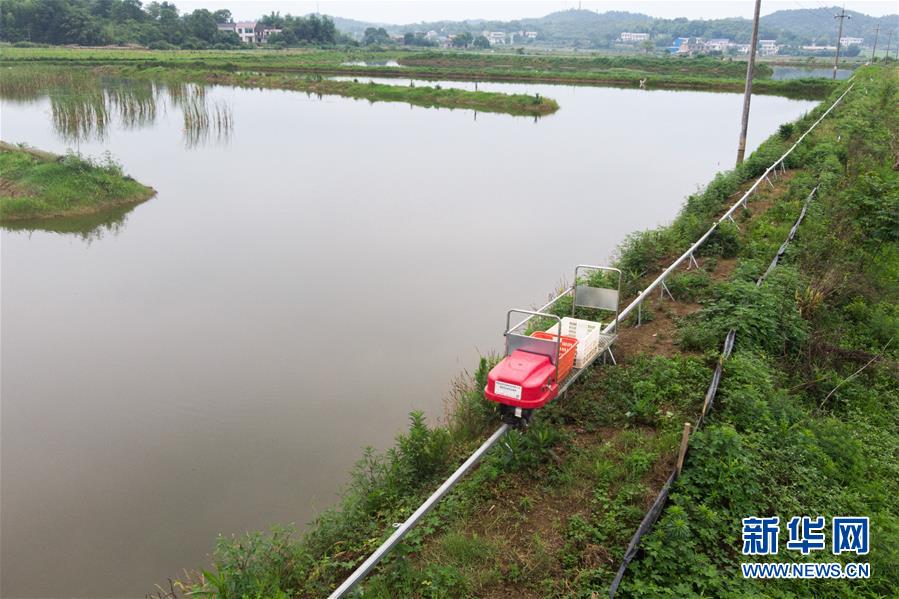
(663, 290)
(693, 262)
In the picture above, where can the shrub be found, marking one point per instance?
(764, 317)
(874, 200)
(255, 565)
(640, 252)
(161, 45)
(785, 131)
(422, 452)
(723, 242)
(643, 392)
(689, 286)
(527, 451)
(468, 411)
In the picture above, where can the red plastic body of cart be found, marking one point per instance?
(523, 380)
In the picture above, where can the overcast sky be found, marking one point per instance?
(409, 11)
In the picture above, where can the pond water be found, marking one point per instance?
(371, 63)
(215, 360)
(806, 72)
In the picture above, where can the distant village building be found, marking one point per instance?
(718, 45)
(768, 47)
(248, 31)
(522, 35)
(267, 31)
(742, 48)
(685, 46)
(495, 37)
(631, 38)
(817, 48)
(432, 36)
(852, 41)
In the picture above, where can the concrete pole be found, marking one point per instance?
(747, 93)
(874, 49)
(836, 60)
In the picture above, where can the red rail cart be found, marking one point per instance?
(541, 365)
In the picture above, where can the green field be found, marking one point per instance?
(701, 73)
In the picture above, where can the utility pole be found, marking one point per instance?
(874, 50)
(747, 93)
(889, 39)
(840, 16)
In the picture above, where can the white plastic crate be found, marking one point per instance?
(587, 334)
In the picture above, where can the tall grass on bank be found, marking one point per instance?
(84, 102)
(808, 418)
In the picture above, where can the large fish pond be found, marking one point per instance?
(312, 269)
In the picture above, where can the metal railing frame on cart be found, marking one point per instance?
(551, 348)
(404, 528)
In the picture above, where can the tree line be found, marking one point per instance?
(157, 25)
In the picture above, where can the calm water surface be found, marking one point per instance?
(805, 72)
(215, 360)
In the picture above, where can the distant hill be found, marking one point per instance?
(818, 24)
(356, 28)
(585, 28)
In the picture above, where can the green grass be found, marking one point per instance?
(426, 96)
(76, 93)
(795, 430)
(40, 185)
(660, 72)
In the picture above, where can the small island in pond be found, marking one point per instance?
(36, 184)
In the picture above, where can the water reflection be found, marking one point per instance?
(87, 227)
(371, 63)
(204, 120)
(85, 102)
(781, 73)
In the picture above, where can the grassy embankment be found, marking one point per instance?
(249, 74)
(712, 74)
(426, 96)
(35, 184)
(800, 427)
